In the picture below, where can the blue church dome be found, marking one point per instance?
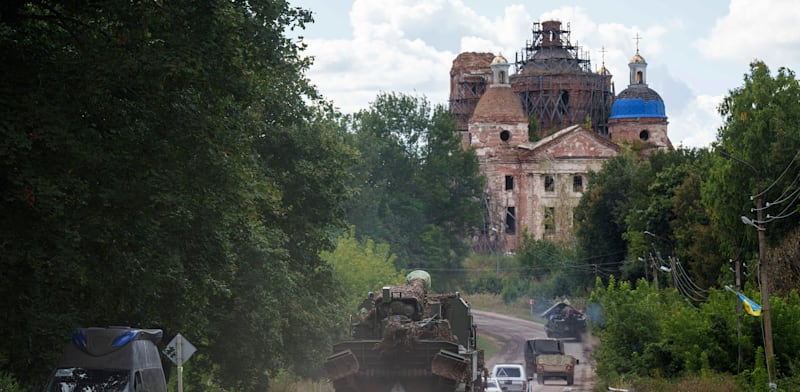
(638, 101)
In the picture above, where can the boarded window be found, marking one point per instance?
(549, 184)
(511, 220)
(577, 183)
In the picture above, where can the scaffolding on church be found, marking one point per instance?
(469, 88)
(556, 83)
(553, 79)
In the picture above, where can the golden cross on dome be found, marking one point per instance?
(637, 38)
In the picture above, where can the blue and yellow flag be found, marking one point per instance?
(750, 306)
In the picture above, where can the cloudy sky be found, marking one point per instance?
(696, 50)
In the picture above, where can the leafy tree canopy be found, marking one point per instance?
(419, 191)
(160, 167)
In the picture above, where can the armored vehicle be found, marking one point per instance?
(405, 339)
(564, 321)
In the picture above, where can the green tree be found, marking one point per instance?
(666, 218)
(538, 258)
(600, 215)
(361, 266)
(692, 233)
(419, 191)
(653, 206)
(762, 128)
(160, 167)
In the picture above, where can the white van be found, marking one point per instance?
(114, 359)
(510, 377)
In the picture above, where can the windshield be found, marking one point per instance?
(511, 372)
(89, 380)
(546, 346)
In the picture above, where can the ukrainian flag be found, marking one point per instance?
(750, 306)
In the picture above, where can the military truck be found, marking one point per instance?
(407, 339)
(564, 321)
(547, 359)
(114, 359)
(536, 347)
(555, 366)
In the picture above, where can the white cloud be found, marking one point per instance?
(765, 30)
(404, 46)
(408, 47)
(697, 124)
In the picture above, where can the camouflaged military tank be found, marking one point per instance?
(405, 339)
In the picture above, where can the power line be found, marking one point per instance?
(775, 182)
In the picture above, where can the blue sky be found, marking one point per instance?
(697, 51)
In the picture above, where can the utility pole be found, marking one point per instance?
(738, 278)
(658, 254)
(762, 261)
(764, 277)
(655, 271)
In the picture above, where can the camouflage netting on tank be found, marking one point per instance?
(414, 289)
(401, 334)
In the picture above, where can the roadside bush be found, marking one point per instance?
(486, 283)
(659, 334)
(8, 383)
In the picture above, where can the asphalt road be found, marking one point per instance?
(510, 334)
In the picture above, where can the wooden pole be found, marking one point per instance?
(179, 342)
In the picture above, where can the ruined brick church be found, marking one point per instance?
(539, 131)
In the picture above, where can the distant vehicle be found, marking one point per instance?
(114, 359)
(536, 347)
(492, 385)
(555, 366)
(564, 321)
(510, 377)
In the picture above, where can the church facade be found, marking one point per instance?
(539, 132)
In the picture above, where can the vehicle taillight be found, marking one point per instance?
(539, 368)
(569, 368)
(524, 385)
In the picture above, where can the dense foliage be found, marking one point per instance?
(161, 166)
(674, 220)
(360, 266)
(646, 332)
(418, 190)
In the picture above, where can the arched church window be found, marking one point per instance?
(563, 102)
(639, 77)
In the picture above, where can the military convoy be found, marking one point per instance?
(406, 339)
